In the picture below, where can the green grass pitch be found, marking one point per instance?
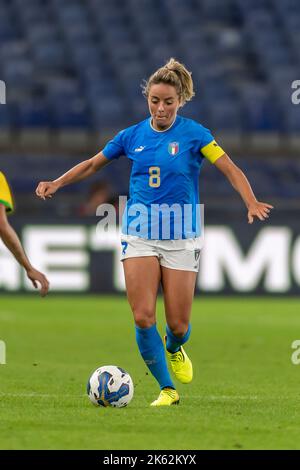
(245, 392)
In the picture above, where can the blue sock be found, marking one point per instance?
(152, 350)
(174, 342)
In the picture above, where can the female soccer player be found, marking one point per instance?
(11, 240)
(161, 232)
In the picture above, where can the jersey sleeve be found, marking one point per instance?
(5, 194)
(209, 147)
(115, 147)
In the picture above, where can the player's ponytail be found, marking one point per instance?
(173, 73)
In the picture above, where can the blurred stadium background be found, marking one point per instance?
(72, 70)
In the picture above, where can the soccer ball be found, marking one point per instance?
(110, 386)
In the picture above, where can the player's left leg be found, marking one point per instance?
(178, 290)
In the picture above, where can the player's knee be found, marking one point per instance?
(144, 317)
(144, 322)
(179, 329)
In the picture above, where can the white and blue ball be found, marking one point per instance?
(110, 386)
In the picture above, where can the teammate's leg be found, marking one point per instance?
(178, 289)
(142, 276)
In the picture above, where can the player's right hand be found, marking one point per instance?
(46, 189)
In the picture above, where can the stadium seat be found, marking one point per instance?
(227, 46)
(32, 114)
(7, 114)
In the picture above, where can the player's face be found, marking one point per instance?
(163, 102)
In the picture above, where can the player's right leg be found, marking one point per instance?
(142, 277)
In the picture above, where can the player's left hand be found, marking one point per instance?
(36, 277)
(260, 210)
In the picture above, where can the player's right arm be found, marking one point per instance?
(79, 172)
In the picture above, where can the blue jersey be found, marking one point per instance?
(164, 183)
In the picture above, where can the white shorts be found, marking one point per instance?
(173, 254)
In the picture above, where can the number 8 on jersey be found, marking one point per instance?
(154, 179)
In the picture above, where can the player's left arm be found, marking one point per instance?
(13, 243)
(241, 184)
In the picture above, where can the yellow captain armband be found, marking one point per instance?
(212, 151)
(5, 194)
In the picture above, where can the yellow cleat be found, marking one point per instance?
(181, 364)
(167, 397)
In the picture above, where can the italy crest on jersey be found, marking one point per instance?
(173, 148)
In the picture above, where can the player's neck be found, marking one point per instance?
(161, 128)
